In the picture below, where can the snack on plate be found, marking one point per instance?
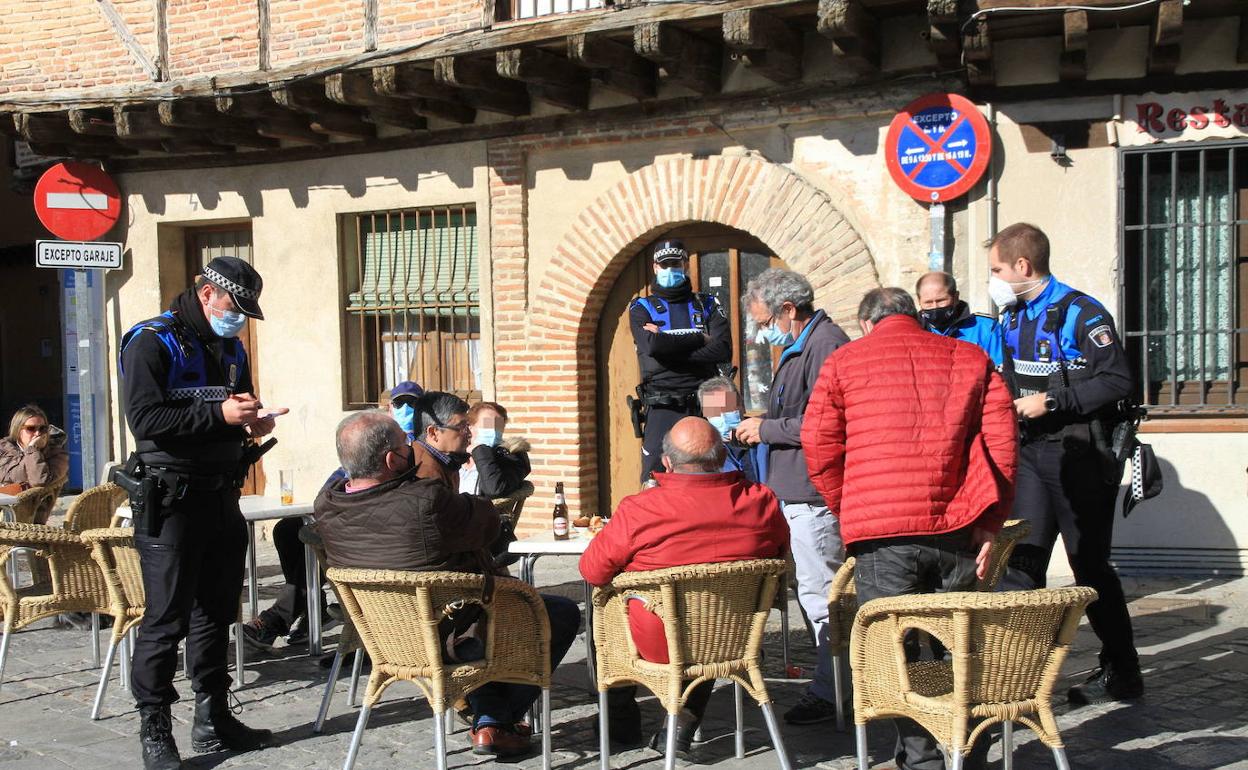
(581, 522)
(595, 524)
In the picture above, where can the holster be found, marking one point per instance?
(251, 456)
(637, 413)
(149, 493)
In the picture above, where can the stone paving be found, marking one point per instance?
(1192, 634)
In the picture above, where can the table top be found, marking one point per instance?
(254, 508)
(8, 499)
(576, 544)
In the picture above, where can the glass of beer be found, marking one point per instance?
(288, 487)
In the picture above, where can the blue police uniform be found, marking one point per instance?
(1064, 344)
(976, 329)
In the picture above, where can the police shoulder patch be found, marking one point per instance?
(1102, 336)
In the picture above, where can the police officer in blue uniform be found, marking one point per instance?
(1072, 384)
(682, 339)
(188, 399)
(943, 312)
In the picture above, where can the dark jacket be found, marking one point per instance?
(34, 467)
(674, 362)
(406, 523)
(500, 470)
(428, 466)
(791, 387)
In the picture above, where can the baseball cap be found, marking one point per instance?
(238, 279)
(406, 388)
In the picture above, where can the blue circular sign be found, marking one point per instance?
(938, 147)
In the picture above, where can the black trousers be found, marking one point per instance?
(292, 600)
(193, 580)
(659, 420)
(918, 565)
(1062, 489)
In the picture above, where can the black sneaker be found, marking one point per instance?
(1108, 683)
(811, 710)
(684, 740)
(258, 634)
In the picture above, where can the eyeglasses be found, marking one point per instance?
(463, 427)
(35, 428)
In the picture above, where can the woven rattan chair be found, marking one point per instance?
(348, 642)
(118, 559)
(76, 586)
(1006, 651)
(396, 615)
(713, 615)
(1003, 545)
(34, 505)
(94, 508)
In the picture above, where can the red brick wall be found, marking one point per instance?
(208, 42)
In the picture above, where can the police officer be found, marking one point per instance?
(1070, 376)
(943, 312)
(187, 390)
(682, 337)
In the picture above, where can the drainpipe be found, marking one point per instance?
(992, 174)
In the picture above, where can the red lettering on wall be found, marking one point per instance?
(1197, 118)
(1219, 113)
(1241, 115)
(1148, 117)
(1175, 119)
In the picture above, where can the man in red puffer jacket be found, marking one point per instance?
(911, 439)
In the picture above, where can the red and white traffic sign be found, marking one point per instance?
(77, 201)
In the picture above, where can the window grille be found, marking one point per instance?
(531, 9)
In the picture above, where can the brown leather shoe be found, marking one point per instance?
(498, 741)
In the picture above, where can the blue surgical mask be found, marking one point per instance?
(772, 335)
(669, 276)
(724, 423)
(228, 324)
(489, 436)
(405, 416)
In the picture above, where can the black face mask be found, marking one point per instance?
(939, 317)
(456, 460)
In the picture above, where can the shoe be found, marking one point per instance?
(259, 635)
(334, 611)
(811, 710)
(499, 741)
(624, 721)
(1108, 683)
(684, 740)
(156, 737)
(216, 728)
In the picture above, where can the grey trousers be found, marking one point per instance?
(815, 540)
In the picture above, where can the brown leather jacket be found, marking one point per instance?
(35, 468)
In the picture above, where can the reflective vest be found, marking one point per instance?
(701, 306)
(188, 371)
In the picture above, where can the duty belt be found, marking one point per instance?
(668, 399)
(190, 481)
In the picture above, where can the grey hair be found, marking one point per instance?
(708, 462)
(883, 302)
(437, 408)
(950, 283)
(362, 440)
(716, 385)
(775, 286)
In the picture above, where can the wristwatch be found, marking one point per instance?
(1050, 403)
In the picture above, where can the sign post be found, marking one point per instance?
(937, 149)
(79, 202)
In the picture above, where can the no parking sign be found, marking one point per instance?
(938, 147)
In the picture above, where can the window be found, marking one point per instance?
(1185, 257)
(531, 9)
(411, 302)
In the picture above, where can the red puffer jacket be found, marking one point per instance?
(911, 433)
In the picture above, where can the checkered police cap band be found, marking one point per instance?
(668, 252)
(230, 286)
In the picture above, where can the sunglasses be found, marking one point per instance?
(35, 428)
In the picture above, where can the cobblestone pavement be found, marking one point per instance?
(1192, 634)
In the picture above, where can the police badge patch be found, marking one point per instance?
(1102, 336)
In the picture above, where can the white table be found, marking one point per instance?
(8, 514)
(533, 548)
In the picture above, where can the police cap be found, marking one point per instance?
(238, 279)
(670, 251)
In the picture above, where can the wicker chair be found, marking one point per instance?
(1003, 544)
(348, 642)
(396, 615)
(713, 615)
(77, 584)
(118, 559)
(94, 508)
(1007, 653)
(34, 505)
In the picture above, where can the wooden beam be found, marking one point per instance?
(1166, 38)
(550, 77)
(1073, 64)
(478, 77)
(262, 28)
(326, 117)
(355, 89)
(1241, 51)
(854, 32)
(427, 96)
(977, 54)
(943, 35)
(94, 122)
(53, 129)
(271, 120)
(162, 38)
(127, 38)
(203, 117)
(614, 64)
(140, 121)
(370, 25)
(766, 44)
(687, 60)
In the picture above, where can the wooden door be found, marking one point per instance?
(203, 244)
(722, 262)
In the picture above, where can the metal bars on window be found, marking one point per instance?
(530, 9)
(1184, 212)
(411, 302)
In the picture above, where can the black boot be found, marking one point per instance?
(156, 736)
(1109, 682)
(215, 727)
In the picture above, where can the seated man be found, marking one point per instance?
(495, 468)
(721, 406)
(383, 516)
(696, 515)
(442, 432)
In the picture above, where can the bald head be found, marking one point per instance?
(363, 439)
(936, 289)
(693, 445)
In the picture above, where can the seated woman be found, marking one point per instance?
(496, 468)
(33, 454)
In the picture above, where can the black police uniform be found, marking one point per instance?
(673, 365)
(1064, 343)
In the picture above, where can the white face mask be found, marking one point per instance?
(1004, 294)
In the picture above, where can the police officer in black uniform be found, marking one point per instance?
(1072, 384)
(187, 390)
(682, 338)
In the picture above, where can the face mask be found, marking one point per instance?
(489, 436)
(772, 335)
(229, 324)
(405, 416)
(1004, 293)
(939, 317)
(669, 276)
(455, 460)
(724, 423)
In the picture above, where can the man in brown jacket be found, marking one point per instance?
(442, 436)
(384, 516)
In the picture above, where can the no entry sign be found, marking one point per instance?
(938, 147)
(77, 201)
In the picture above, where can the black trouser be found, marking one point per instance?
(918, 565)
(1062, 488)
(659, 420)
(292, 600)
(193, 580)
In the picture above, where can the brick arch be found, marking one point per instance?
(797, 220)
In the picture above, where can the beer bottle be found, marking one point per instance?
(561, 513)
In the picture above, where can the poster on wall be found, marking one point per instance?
(1151, 118)
(74, 401)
